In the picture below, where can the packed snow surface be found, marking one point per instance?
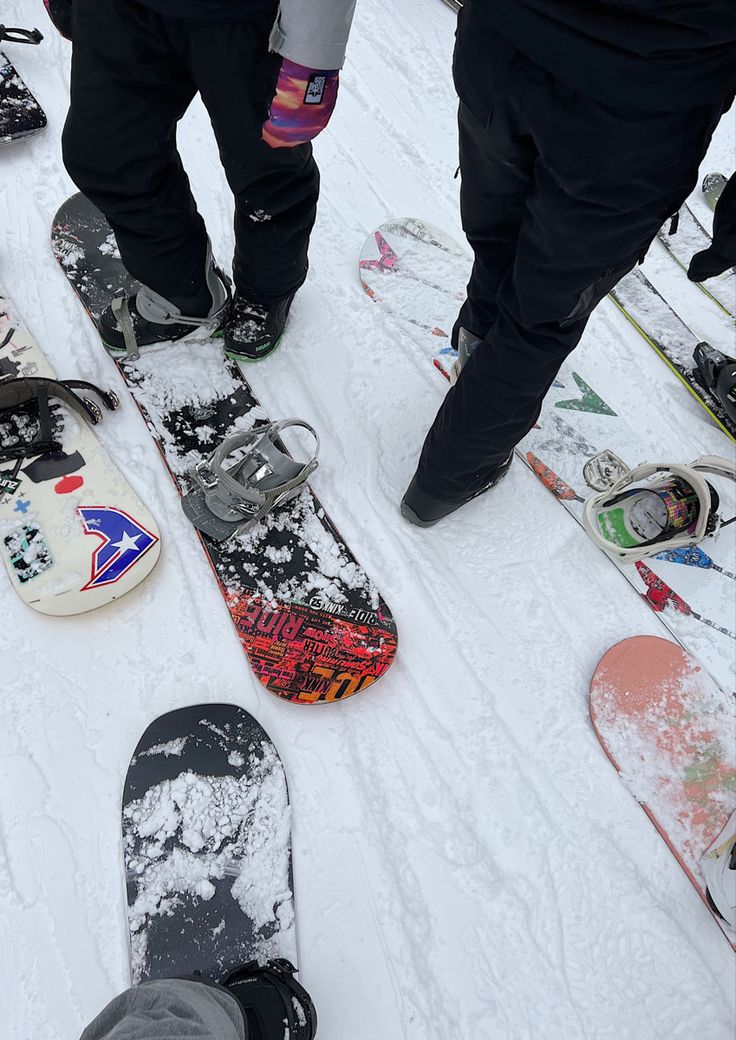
(467, 864)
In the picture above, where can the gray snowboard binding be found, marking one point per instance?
(228, 499)
(147, 318)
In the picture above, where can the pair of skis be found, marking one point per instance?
(659, 324)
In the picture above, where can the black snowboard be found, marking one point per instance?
(20, 113)
(313, 624)
(207, 846)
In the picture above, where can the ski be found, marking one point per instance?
(689, 238)
(650, 314)
(312, 623)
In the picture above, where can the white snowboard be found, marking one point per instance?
(73, 533)
(418, 273)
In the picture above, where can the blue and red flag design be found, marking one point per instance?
(124, 543)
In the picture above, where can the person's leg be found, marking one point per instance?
(254, 1002)
(604, 183)
(129, 88)
(496, 165)
(276, 189)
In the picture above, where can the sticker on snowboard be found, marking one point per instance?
(670, 732)
(312, 623)
(415, 271)
(73, 533)
(207, 846)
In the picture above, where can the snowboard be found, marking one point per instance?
(669, 731)
(692, 591)
(73, 533)
(20, 113)
(207, 846)
(311, 621)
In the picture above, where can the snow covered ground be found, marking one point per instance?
(467, 864)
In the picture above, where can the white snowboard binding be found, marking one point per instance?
(639, 512)
(719, 870)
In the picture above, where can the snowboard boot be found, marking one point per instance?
(273, 1003)
(253, 330)
(147, 318)
(719, 870)
(466, 344)
(425, 510)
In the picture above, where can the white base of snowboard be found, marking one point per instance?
(73, 533)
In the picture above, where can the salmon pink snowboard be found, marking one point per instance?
(669, 730)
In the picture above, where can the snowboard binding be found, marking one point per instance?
(228, 499)
(717, 373)
(639, 512)
(719, 871)
(12, 34)
(272, 1001)
(30, 420)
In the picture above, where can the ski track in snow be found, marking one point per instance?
(466, 862)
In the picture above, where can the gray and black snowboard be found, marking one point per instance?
(207, 846)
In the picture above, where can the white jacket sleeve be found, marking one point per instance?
(313, 33)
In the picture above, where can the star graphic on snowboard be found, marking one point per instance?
(124, 542)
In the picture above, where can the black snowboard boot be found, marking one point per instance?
(253, 330)
(273, 1003)
(425, 510)
(146, 317)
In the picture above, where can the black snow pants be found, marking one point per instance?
(134, 74)
(561, 196)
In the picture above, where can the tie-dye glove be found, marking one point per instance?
(302, 106)
(60, 13)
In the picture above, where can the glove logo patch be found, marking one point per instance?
(315, 89)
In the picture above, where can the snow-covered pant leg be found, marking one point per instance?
(603, 183)
(276, 189)
(129, 88)
(170, 1009)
